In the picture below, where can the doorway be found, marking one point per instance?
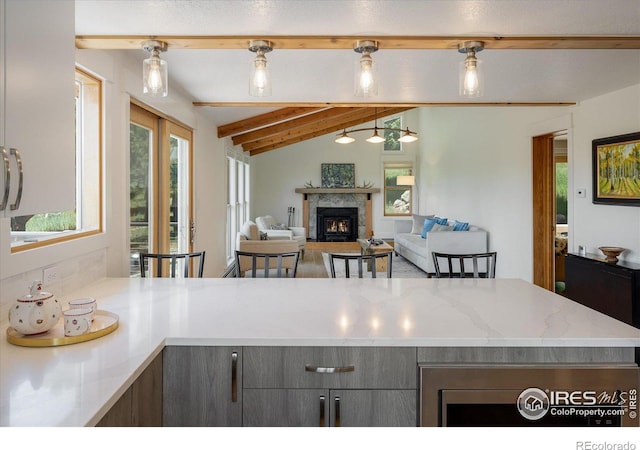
(160, 186)
(550, 209)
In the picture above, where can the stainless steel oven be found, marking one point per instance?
(529, 396)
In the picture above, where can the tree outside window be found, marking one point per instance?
(392, 138)
(397, 199)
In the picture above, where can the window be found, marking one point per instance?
(238, 182)
(392, 137)
(42, 229)
(397, 198)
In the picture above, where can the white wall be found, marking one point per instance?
(603, 225)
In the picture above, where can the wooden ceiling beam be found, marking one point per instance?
(135, 42)
(289, 125)
(325, 127)
(323, 105)
(266, 119)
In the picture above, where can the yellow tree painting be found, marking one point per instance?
(617, 169)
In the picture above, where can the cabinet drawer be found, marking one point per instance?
(330, 367)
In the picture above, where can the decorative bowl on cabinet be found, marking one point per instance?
(611, 253)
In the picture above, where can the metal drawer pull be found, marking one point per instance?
(322, 411)
(336, 402)
(16, 154)
(317, 369)
(234, 376)
(7, 179)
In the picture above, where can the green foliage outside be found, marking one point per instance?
(61, 221)
(562, 186)
(139, 187)
(394, 203)
(391, 138)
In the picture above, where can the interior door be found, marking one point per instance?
(543, 176)
(545, 214)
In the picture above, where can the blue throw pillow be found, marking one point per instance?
(460, 226)
(428, 225)
(441, 221)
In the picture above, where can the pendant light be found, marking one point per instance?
(470, 72)
(408, 136)
(344, 138)
(366, 82)
(260, 75)
(375, 138)
(155, 81)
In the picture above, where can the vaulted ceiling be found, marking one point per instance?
(287, 126)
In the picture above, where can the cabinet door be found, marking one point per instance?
(373, 408)
(202, 386)
(285, 408)
(606, 288)
(141, 404)
(39, 105)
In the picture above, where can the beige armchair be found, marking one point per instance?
(267, 224)
(248, 240)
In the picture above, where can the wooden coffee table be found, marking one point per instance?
(368, 249)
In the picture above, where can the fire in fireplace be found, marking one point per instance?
(336, 224)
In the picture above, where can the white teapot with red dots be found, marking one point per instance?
(35, 313)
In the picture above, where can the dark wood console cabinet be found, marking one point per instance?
(612, 289)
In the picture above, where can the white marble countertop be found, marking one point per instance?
(75, 385)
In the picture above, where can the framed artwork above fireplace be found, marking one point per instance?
(338, 175)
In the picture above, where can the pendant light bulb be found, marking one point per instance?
(375, 138)
(471, 80)
(260, 77)
(344, 138)
(154, 70)
(366, 84)
(408, 136)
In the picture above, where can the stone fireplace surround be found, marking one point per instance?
(339, 198)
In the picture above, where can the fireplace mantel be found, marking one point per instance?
(337, 190)
(364, 194)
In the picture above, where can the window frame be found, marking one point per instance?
(55, 237)
(398, 165)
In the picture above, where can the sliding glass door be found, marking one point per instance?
(160, 189)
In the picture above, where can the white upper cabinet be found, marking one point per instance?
(38, 107)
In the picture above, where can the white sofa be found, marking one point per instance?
(267, 224)
(409, 243)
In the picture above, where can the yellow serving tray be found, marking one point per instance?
(104, 322)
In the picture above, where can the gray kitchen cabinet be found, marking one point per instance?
(285, 408)
(202, 386)
(330, 386)
(37, 97)
(373, 407)
(141, 404)
(329, 408)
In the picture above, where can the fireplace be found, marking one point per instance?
(336, 224)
